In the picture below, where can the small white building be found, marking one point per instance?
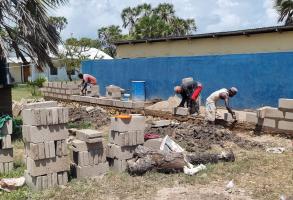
(21, 73)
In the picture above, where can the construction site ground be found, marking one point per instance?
(256, 173)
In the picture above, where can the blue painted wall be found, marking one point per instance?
(261, 78)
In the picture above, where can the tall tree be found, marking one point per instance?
(107, 36)
(165, 11)
(58, 22)
(285, 10)
(25, 28)
(75, 51)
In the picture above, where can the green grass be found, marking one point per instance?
(23, 92)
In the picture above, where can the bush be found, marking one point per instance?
(35, 85)
(40, 81)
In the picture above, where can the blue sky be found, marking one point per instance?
(86, 16)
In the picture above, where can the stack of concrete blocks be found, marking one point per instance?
(46, 155)
(93, 91)
(6, 150)
(60, 90)
(280, 118)
(88, 154)
(114, 92)
(125, 135)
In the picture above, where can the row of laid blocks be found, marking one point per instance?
(90, 171)
(45, 150)
(46, 181)
(63, 85)
(278, 124)
(57, 96)
(45, 116)
(117, 165)
(129, 138)
(108, 102)
(43, 104)
(61, 91)
(286, 104)
(275, 113)
(89, 136)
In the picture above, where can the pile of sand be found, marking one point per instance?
(166, 105)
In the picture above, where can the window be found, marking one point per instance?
(53, 71)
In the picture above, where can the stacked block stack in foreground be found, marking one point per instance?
(280, 118)
(125, 135)
(46, 155)
(6, 150)
(88, 154)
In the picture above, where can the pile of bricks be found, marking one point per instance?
(60, 90)
(280, 118)
(114, 92)
(6, 150)
(46, 155)
(125, 135)
(88, 154)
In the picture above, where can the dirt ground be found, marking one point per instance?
(256, 173)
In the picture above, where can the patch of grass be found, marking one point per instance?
(23, 92)
(79, 125)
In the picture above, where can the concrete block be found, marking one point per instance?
(59, 148)
(122, 153)
(85, 155)
(161, 123)
(139, 137)
(78, 145)
(49, 177)
(251, 118)
(118, 165)
(41, 149)
(52, 165)
(64, 148)
(285, 125)
(60, 178)
(92, 171)
(47, 150)
(10, 166)
(228, 117)
(7, 128)
(52, 149)
(44, 182)
(130, 138)
(65, 178)
(32, 151)
(54, 179)
(89, 136)
(91, 156)
(31, 117)
(100, 156)
(136, 123)
(138, 105)
(286, 104)
(79, 160)
(153, 144)
(180, 111)
(41, 134)
(6, 168)
(271, 123)
(118, 103)
(127, 104)
(44, 104)
(5, 142)
(35, 183)
(289, 115)
(269, 112)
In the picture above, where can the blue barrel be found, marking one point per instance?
(138, 90)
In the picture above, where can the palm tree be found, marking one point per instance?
(128, 16)
(285, 10)
(165, 11)
(25, 29)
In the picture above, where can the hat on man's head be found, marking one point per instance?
(234, 89)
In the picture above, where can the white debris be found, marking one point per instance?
(191, 170)
(277, 150)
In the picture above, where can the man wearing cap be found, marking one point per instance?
(189, 92)
(211, 101)
(87, 82)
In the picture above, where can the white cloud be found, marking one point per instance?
(86, 16)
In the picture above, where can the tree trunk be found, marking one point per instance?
(5, 89)
(69, 76)
(167, 162)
